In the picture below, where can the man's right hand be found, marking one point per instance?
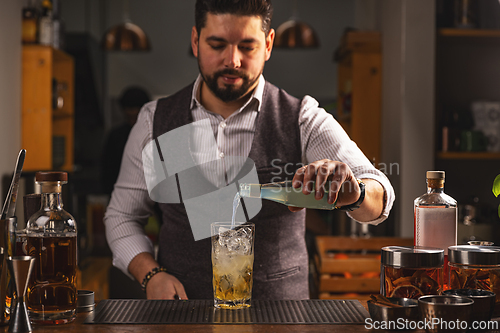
(162, 285)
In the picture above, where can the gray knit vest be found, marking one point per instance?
(281, 262)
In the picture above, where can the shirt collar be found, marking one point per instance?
(256, 95)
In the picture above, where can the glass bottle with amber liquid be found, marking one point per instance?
(435, 218)
(51, 239)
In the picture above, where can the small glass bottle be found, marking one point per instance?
(30, 24)
(285, 193)
(52, 240)
(45, 29)
(435, 218)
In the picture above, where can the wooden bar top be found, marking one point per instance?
(79, 326)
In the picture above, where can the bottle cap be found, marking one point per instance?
(435, 174)
(51, 176)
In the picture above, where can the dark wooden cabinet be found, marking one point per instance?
(467, 70)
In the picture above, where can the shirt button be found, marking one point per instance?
(221, 155)
(223, 124)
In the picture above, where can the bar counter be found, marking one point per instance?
(79, 326)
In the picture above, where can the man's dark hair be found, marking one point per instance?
(133, 97)
(261, 8)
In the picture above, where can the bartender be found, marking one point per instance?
(249, 116)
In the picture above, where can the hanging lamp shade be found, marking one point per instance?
(126, 37)
(294, 34)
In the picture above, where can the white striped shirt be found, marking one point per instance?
(130, 206)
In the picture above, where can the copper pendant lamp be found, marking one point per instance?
(294, 34)
(125, 36)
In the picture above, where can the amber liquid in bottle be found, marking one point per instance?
(53, 287)
(51, 238)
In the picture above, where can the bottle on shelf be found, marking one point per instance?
(285, 193)
(450, 132)
(57, 25)
(30, 24)
(46, 29)
(435, 217)
(51, 235)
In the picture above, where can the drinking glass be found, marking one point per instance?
(232, 264)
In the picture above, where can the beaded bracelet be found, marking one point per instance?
(150, 275)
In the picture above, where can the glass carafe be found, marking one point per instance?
(52, 240)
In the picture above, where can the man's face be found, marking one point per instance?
(231, 52)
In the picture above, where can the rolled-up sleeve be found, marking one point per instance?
(323, 137)
(130, 206)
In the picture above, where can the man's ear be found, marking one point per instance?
(194, 41)
(269, 43)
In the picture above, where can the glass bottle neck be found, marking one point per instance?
(52, 200)
(435, 185)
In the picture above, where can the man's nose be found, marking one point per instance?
(233, 57)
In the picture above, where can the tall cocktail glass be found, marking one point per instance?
(232, 264)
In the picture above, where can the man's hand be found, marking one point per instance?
(343, 187)
(162, 285)
(165, 286)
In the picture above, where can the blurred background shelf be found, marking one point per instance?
(450, 32)
(466, 77)
(457, 155)
(359, 84)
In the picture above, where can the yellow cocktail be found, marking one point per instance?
(232, 263)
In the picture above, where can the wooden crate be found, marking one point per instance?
(347, 267)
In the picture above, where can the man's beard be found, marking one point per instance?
(228, 93)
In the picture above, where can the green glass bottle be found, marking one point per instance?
(285, 193)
